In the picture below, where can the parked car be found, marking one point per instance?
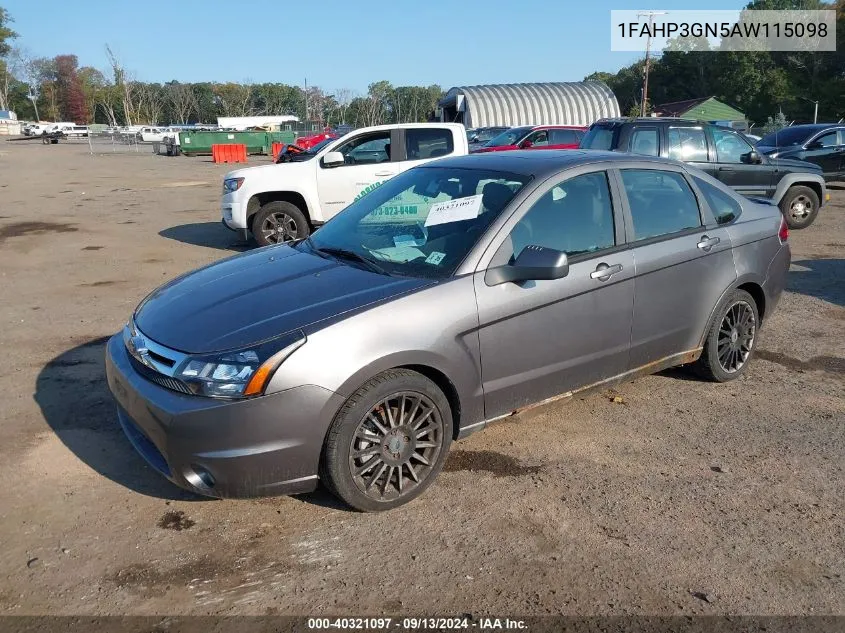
(479, 136)
(287, 200)
(37, 129)
(535, 137)
(796, 186)
(822, 144)
(150, 134)
(307, 142)
(452, 295)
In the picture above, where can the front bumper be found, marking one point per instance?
(262, 446)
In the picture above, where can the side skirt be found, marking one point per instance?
(675, 360)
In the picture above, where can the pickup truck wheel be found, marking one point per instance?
(278, 222)
(799, 206)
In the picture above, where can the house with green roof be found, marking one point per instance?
(707, 109)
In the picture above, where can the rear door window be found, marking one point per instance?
(661, 202)
(644, 141)
(425, 143)
(563, 137)
(687, 144)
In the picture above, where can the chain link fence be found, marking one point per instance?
(107, 140)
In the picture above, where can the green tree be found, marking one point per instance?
(6, 33)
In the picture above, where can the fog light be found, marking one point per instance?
(199, 477)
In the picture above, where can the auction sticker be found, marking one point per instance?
(454, 210)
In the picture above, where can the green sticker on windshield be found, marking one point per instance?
(435, 258)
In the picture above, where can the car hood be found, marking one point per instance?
(802, 165)
(250, 298)
(267, 170)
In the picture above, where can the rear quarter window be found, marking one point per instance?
(723, 206)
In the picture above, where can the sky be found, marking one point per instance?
(336, 44)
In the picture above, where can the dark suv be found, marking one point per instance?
(822, 144)
(796, 186)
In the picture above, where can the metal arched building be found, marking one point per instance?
(559, 103)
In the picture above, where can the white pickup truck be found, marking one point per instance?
(286, 201)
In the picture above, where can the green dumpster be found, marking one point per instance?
(200, 142)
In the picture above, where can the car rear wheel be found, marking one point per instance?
(730, 341)
(388, 442)
(278, 222)
(800, 206)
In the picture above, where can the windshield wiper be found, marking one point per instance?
(344, 253)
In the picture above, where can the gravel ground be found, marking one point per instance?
(683, 498)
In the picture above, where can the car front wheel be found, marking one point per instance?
(800, 206)
(388, 442)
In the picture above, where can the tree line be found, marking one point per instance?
(761, 84)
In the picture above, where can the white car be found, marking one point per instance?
(286, 201)
(149, 134)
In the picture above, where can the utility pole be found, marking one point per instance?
(650, 15)
(305, 92)
(815, 111)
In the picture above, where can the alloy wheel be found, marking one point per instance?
(396, 446)
(279, 227)
(736, 336)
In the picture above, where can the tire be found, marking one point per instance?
(401, 467)
(278, 222)
(800, 206)
(737, 347)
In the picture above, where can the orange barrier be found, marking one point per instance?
(229, 153)
(275, 149)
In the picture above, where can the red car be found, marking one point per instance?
(535, 137)
(307, 142)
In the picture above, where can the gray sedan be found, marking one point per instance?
(454, 294)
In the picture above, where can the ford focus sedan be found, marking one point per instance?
(454, 294)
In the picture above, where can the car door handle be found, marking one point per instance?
(385, 173)
(707, 243)
(726, 168)
(603, 272)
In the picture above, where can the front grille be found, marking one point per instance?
(152, 375)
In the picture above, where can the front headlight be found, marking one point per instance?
(238, 374)
(232, 184)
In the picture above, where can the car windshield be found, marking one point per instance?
(598, 137)
(787, 137)
(489, 134)
(509, 137)
(421, 223)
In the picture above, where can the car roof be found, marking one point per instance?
(654, 119)
(559, 127)
(812, 127)
(544, 163)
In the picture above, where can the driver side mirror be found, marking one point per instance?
(525, 144)
(753, 158)
(815, 145)
(534, 263)
(333, 159)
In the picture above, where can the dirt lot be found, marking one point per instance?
(685, 497)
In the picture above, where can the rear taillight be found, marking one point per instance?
(783, 233)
